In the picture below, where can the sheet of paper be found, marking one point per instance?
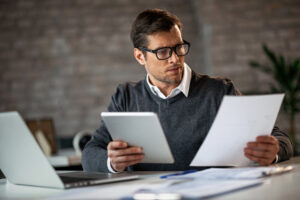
(234, 173)
(240, 119)
(203, 188)
(196, 188)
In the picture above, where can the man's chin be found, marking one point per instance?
(172, 81)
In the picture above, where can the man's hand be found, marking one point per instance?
(263, 150)
(122, 156)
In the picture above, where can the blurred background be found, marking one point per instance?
(62, 60)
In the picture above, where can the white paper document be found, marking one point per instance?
(240, 119)
(243, 173)
(205, 188)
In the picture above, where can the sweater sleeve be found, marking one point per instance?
(94, 155)
(285, 144)
(230, 88)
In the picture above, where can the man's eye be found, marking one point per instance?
(180, 49)
(163, 52)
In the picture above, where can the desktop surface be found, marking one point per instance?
(284, 186)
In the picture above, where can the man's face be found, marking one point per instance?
(167, 72)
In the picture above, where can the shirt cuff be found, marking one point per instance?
(276, 159)
(110, 169)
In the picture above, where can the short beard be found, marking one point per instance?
(167, 80)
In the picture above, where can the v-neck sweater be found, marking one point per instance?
(185, 120)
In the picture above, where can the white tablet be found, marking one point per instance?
(141, 129)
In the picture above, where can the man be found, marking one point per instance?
(186, 103)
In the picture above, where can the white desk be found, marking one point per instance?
(285, 186)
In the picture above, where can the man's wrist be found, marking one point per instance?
(110, 169)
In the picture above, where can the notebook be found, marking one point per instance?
(23, 162)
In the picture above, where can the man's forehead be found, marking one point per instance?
(165, 38)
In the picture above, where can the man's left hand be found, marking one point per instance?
(263, 150)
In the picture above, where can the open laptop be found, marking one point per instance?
(23, 162)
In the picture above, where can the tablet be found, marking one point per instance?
(141, 129)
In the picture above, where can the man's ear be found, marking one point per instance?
(139, 56)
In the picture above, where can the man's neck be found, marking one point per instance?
(165, 88)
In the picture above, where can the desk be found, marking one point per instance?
(285, 186)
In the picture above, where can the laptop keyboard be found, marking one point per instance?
(67, 179)
(79, 179)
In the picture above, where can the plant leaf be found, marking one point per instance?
(287, 77)
(263, 68)
(296, 66)
(270, 54)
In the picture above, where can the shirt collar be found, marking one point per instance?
(183, 87)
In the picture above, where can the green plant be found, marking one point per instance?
(287, 76)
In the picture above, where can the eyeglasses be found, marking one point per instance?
(164, 53)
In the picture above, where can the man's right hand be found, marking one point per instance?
(122, 156)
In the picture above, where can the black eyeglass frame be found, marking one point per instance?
(171, 52)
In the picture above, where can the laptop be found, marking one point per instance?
(23, 162)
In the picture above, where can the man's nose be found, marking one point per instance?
(174, 57)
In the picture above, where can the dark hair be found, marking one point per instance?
(152, 21)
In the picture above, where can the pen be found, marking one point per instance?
(179, 173)
(277, 170)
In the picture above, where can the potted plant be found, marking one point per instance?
(287, 80)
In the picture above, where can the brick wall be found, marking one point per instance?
(238, 29)
(63, 59)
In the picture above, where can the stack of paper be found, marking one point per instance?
(205, 188)
(234, 173)
(216, 181)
